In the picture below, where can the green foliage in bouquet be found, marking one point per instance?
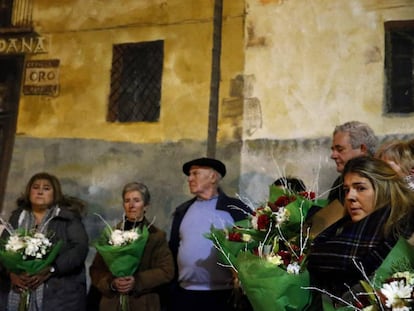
(231, 241)
(270, 287)
(122, 260)
(15, 260)
(388, 289)
(296, 205)
(268, 250)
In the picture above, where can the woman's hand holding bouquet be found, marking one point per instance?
(27, 256)
(122, 251)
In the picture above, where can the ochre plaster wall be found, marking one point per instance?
(319, 63)
(81, 35)
(301, 68)
(290, 71)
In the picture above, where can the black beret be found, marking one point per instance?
(209, 162)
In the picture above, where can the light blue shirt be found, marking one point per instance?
(197, 257)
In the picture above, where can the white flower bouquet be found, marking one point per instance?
(26, 252)
(122, 251)
(34, 246)
(391, 288)
(120, 237)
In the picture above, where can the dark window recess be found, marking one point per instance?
(136, 82)
(6, 7)
(399, 66)
(11, 69)
(16, 16)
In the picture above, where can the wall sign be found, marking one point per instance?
(29, 45)
(41, 77)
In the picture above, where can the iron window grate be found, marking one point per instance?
(136, 82)
(399, 66)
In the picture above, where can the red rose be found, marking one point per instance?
(273, 206)
(286, 257)
(235, 236)
(263, 222)
(295, 247)
(310, 195)
(284, 200)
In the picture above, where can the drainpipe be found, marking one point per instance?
(215, 80)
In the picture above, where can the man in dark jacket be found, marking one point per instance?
(349, 140)
(201, 283)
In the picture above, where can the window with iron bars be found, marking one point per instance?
(136, 82)
(399, 67)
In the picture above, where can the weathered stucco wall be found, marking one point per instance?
(265, 160)
(81, 36)
(67, 135)
(291, 70)
(311, 65)
(96, 171)
(319, 63)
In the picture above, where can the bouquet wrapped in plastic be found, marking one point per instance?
(269, 255)
(30, 253)
(231, 241)
(270, 287)
(122, 251)
(390, 289)
(27, 252)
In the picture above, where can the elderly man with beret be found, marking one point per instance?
(201, 283)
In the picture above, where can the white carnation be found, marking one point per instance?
(293, 268)
(15, 243)
(120, 237)
(130, 235)
(116, 238)
(394, 292)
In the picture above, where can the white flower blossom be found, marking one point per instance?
(275, 259)
(254, 223)
(246, 237)
(130, 235)
(408, 276)
(293, 268)
(14, 244)
(395, 292)
(121, 237)
(116, 237)
(282, 215)
(35, 246)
